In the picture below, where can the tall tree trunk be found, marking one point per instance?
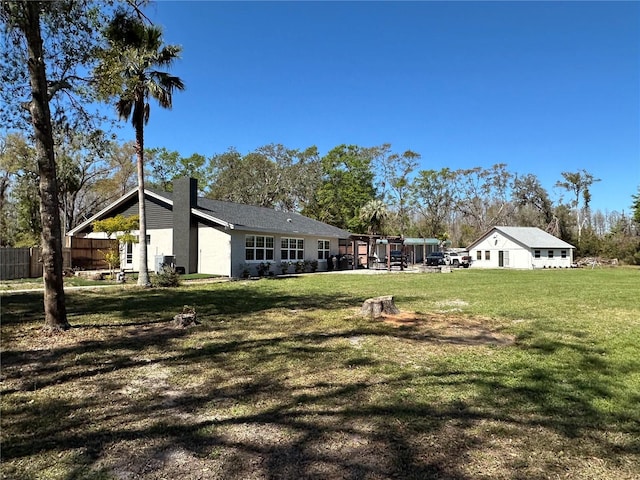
(54, 301)
(143, 269)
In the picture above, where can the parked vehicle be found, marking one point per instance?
(398, 259)
(435, 259)
(459, 259)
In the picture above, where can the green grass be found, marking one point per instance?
(497, 374)
(36, 283)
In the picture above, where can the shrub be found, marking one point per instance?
(167, 277)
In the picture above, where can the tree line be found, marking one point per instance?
(361, 189)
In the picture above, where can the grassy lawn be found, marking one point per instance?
(36, 283)
(485, 375)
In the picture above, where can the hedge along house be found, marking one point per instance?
(219, 238)
(520, 247)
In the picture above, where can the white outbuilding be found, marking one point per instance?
(520, 247)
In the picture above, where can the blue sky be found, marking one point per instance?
(544, 87)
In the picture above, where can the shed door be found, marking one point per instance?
(500, 258)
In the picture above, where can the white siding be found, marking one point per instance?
(214, 251)
(554, 260)
(238, 262)
(161, 244)
(223, 252)
(515, 255)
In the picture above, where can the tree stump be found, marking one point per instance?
(187, 318)
(376, 307)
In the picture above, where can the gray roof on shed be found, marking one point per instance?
(532, 237)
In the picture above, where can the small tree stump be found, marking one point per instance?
(376, 307)
(187, 318)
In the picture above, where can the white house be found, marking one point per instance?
(221, 238)
(520, 247)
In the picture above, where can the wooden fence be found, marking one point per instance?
(15, 263)
(82, 254)
(86, 253)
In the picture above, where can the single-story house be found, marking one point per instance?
(220, 238)
(520, 247)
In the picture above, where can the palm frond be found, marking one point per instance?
(147, 112)
(124, 106)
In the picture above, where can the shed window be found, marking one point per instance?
(536, 253)
(292, 249)
(550, 254)
(258, 247)
(563, 253)
(479, 255)
(487, 254)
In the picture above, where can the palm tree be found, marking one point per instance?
(374, 213)
(137, 50)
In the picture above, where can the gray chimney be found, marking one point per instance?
(185, 228)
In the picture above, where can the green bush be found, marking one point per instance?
(167, 277)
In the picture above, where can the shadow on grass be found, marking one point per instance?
(152, 401)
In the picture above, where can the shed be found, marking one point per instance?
(520, 248)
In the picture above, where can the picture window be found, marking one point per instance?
(292, 249)
(323, 249)
(258, 248)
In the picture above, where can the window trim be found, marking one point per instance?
(299, 250)
(265, 249)
(326, 251)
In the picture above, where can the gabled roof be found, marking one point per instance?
(530, 237)
(237, 216)
(104, 213)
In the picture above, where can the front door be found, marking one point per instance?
(500, 258)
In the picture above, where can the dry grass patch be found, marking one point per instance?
(447, 328)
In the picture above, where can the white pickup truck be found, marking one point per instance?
(458, 259)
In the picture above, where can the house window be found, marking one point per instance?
(258, 247)
(536, 253)
(323, 249)
(292, 249)
(550, 254)
(563, 253)
(479, 255)
(487, 254)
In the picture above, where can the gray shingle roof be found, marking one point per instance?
(250, 217)
(533, 237)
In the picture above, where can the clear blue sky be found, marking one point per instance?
(544, 87)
